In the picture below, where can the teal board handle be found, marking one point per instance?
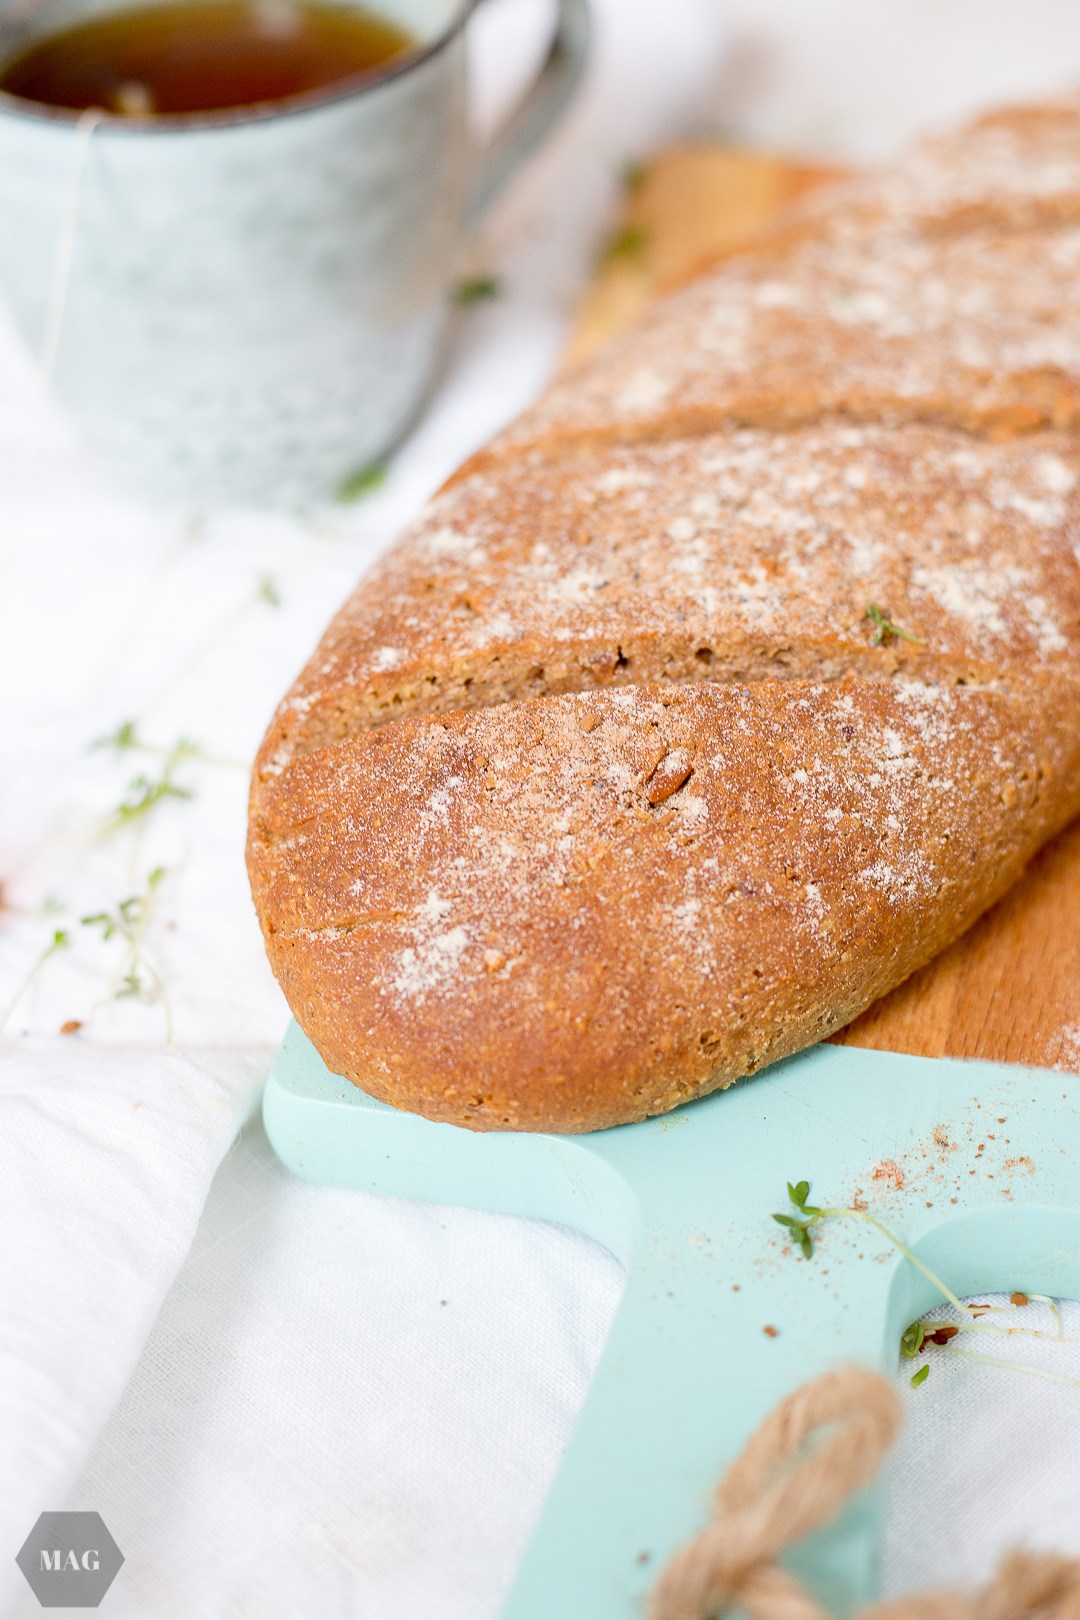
(685, 1202)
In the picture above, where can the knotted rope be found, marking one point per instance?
(771, 1496)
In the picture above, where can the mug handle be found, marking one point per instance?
(538, 110)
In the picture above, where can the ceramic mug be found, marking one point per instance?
(253, 301)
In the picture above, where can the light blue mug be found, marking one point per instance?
(249, 306)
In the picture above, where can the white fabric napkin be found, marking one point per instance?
(99, 1201)
(304, 1428)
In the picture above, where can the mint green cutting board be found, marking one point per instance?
(685, 1202)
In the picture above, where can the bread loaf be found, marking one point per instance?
(725, 688)
(943, 291)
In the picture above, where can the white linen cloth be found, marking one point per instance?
(307, 1428)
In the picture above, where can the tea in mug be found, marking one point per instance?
(195, 56)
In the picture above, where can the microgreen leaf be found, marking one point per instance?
(885, 627)
(911, 1340)
(130, 915)
(144, 793)
(475, 289)
(123, 737)
(800, 1231)
(920, 1334)
(142, 796)
(59, 942)
(799, 1225)
(361, 482)
(268, 591)
(627, 243)
(135, 977)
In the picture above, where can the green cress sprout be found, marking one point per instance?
(920, 1334)
(885, 627)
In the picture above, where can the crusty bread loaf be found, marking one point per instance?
(942, 291)
(606, 788)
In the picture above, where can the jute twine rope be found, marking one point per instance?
(776, 1492)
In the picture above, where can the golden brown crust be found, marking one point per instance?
(727, 557)
(605, 788)
(1016, 168)
(940, 290)
(978, 330)
(517, 918)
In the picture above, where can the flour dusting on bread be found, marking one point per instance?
(726, 687)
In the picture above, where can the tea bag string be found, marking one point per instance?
(85, 125)
(772, 1496)
(63, 257)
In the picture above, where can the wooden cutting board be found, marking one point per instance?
(1009, 990)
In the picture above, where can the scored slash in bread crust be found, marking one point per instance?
(729, 557)
(603, 789)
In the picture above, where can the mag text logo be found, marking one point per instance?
(70, 1560)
